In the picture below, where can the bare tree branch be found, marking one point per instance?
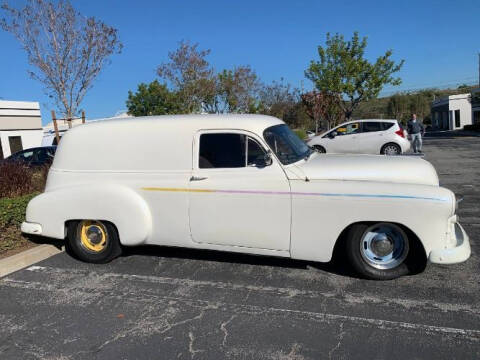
(66, 50)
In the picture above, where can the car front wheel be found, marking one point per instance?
(320, 149)
(378, 251)
(93, 241)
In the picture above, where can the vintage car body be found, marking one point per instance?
(148, 183)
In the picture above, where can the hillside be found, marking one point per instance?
(400, 106)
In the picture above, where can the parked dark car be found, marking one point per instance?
(33, 157)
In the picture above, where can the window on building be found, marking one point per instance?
(15, 143)
(457, 118)
(1, 150)
(222, 150)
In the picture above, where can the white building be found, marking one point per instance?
(20, 126)
(452, 112)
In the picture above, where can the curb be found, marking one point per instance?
(26, 258)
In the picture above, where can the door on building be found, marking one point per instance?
(457, 119)
(15, 143)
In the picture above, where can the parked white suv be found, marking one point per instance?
(370, 136)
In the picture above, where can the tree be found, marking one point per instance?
(343, 71)
(278, 99)
(66, 50)
(398, 106)
(235, 91)
(153, 99)
(322, 107)
(190, 75)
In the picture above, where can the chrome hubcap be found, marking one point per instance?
(391, 150)
(384, 246)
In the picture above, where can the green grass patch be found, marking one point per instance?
(12, 214)
(302, 134)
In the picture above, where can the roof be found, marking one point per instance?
(193, 122)
(364, 120)
(153, 143)
(446, 99)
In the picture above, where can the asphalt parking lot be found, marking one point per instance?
(159, 303)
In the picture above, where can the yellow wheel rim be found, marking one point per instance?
(93, 235)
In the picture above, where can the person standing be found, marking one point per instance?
(415, 130)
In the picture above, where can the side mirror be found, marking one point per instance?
(263, 161)
(332, 134)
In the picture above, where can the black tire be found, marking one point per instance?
(319, 148)
(111, 248)
(355, 239)
(391, 149)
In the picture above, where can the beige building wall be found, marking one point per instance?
(20, 115)
(20, 126)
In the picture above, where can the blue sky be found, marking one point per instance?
(439, 41)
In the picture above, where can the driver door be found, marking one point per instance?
(345, 140)
(233, 199)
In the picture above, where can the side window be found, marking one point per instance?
(222, 150)
(388, 125)
(370, 126)
(348, 129)
(254, 151)
(40, 155)
(26, 155)
(50, 153)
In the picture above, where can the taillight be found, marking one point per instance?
(399, 132)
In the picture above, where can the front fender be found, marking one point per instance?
(321, 210)
(119, 205)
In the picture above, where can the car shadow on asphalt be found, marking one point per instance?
(41, 240)
(336, 266)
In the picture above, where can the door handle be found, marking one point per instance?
(197, 178)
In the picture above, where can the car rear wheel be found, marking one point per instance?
(93, 241)
(378, 251)
(320, 149)
(391, 149)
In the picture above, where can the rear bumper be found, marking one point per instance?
(31, 228)
(405, 145)
(459, 249)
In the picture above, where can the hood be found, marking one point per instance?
(379, 168)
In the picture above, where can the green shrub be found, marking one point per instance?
(302, 134)
(12, 210)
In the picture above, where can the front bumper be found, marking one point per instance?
(458, 248)
(31, 228)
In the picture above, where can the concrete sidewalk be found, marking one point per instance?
(26, 258)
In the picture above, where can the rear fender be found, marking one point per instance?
(119, 205)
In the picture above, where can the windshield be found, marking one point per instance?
(286, 144)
